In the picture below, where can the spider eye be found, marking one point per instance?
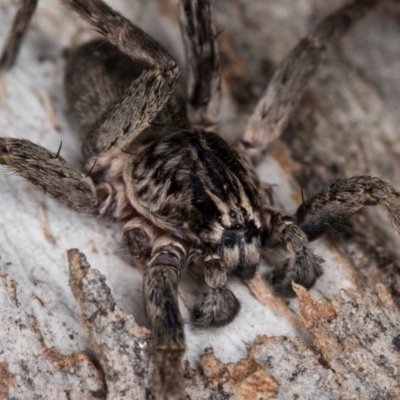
(229, 243)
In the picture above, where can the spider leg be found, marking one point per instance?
(303, 266)
(323, 211)
(162, 257)
(160, 289)
(26, 8)
(289, 81)
(203, 69)
(49, 173)
(332, 206)
(133, 110)
(219, 306)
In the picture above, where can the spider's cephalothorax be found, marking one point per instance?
(188, 198)
(194, 183)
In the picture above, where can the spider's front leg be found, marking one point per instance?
(160, 291)
(333, 205)
(315, 217)
(162, 258)
(26, 8)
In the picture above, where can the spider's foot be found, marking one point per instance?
(219, 307)
(305, 271)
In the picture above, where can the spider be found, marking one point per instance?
(154, 160)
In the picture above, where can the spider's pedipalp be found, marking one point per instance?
(219, 306)
(26, 8)
(303, 266)
(333, 205)
(203, 68)
(51, 174)
(289, 81)
(160, 289)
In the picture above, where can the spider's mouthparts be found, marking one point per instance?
(166, 259)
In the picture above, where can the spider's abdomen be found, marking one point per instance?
(193, 182)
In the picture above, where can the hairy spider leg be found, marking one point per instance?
(10, 51)
(126, 116)
(162, 257)
(303, 266)
(332, 206)
(133, 110)
(315, 217)
(50, 173)
(290, 79)
(160, 289)
(269, 119)
(202, 63)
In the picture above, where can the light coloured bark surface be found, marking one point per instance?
(357, 336)
(28, 368)
(356, 351)
(346, 124)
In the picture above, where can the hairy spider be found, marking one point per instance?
(154, 159)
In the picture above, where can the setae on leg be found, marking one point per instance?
(219, 306)
(332, 206)
(160, 291)
(132, 111)
(290, 79)
(315, 217)
(203, 69)
(50, 173)
(303, 266)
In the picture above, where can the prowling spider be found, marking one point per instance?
(189, 199)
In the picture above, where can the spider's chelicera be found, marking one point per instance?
(154, 159)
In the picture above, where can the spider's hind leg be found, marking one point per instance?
(290, 79)
(20, 24)
(137, 102)
(203, 69)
